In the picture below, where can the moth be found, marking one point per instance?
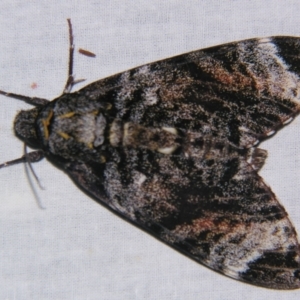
(172, 147)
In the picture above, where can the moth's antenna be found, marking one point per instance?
(31, 157)
(32, 101)
(71, 81)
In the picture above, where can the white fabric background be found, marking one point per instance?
(76, 249)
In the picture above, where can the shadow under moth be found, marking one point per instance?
(171, 146)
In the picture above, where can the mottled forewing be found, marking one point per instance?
(241, 92)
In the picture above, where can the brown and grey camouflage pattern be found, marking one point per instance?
(172, 147)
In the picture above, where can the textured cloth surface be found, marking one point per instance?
(75, 248)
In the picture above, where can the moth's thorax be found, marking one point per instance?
(71, 131)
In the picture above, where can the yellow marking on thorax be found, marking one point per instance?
(63, 135)
(102, 159)
(95, 112)
(108, 106)
(90, 145)
(67, 115)
(46, 123)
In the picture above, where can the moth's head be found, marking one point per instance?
(25, 128)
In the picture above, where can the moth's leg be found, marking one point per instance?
(32, 101)
(30, 157)
(70, 80)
